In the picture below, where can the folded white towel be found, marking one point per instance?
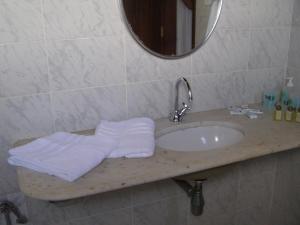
(68, 156)
(135, 137)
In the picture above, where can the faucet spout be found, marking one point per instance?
(178, 114)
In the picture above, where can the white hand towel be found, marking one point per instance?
(135, 137)
(68, 156)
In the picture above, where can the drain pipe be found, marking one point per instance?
(195, 192)
(7, 207)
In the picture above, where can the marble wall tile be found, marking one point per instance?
(117, 217)
(204, 91)
(140, 65)
(20, 20)
(294, 53)
(207, 219)
(25, 117)
(83, 109)
(153, 99)
(172, 211)
(23, 69)
(154, 192)
(235, 14)
(213, 91)
(262, 80)
(86, 63)
(296, 13)
(295, 72)
(41, 212)
(286, 200)
(254, 167)
(255, 197)
(269, 48)
(81, 18)
(271, 13)
(251, 216)
(256, 188)
(295, 156)
(8, 179)
(173, 69)
(227, 50)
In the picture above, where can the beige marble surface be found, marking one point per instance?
(262, 137)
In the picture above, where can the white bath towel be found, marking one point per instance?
(135, 137)
(68, 156)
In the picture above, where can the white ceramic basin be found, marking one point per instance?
(199, 138)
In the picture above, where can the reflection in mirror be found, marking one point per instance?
(171, 28)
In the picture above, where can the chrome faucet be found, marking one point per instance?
(178, 114)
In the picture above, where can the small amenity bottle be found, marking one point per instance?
(289, 113)
(298, 115)
(278, 112)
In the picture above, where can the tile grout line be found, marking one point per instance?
(111, 35)
(48, 67)
(126, 72)
(290, 44)
(133, 83)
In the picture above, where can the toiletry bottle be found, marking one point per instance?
(278, 112)
(286, 92)
(289, 114)
(298, 115)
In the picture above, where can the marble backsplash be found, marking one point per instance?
(66, 64)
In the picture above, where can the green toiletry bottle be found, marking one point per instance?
(286, 92)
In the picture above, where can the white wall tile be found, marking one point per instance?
(25, 117)
(296, 13)
(83, 109)
(8, 179)
(153, 99)
(295, 72)
(259, 81)
(294, 53)
(271, 13)
(214, 91)
(46, 213)
(20, 20)
(23, 69)
(235, 14)
(140, 65)
(82, 18)
(269, 48)
(227, 50)
(86, 63)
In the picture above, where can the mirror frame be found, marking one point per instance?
(137, 39)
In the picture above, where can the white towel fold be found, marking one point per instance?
(68, 156)
(135, 137)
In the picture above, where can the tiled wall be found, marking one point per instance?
(294, 53)
(66, 64)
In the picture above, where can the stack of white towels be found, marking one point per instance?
(70, 156)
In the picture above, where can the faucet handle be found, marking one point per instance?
(185, 106)
(182, 111)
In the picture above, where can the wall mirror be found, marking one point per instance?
(171, 28)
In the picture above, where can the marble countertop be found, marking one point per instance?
(262, 137)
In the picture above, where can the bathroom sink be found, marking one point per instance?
(192, 138)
